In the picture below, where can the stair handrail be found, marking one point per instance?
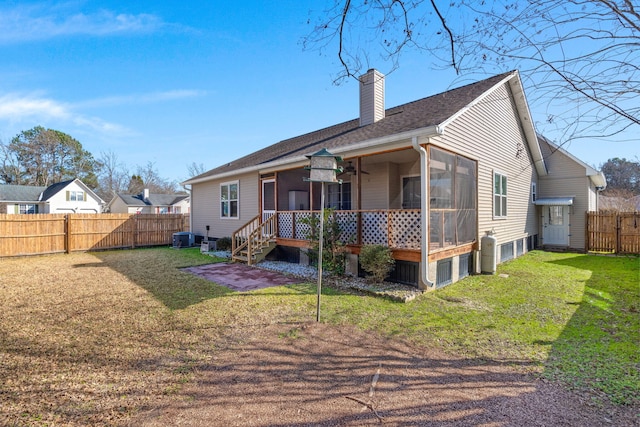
(253, 237)
(240, 237)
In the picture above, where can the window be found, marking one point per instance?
(229, 200)
(339, 196)
(28, 209)
(556, 215)
(534, 192)
(499, 195)
(75, 196)
(452, 199)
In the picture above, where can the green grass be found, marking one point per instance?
(573, 318)
(121, 327)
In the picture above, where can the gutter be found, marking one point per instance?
(303, 160)
(424, 218)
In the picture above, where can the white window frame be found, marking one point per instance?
(534, 192)
(503, 197)
(237, 199)
(24, 208)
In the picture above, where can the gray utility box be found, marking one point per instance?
(183, 239)
(208, 245)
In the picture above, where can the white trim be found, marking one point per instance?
(402, 140)
(229, 184)
(597, 178)
(534, 192)
(493, 195)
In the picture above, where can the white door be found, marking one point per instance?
(268, 199)
(556, 225)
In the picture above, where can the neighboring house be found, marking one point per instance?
(459, 164)
(149, 203)
(71, 196)
(570, 189)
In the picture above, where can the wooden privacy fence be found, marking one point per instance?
(52, 233)
(617, 232)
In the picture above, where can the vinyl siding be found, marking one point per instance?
(58, 203)
(568, 178)
(205, 208)
(375, 187)
(490, 133)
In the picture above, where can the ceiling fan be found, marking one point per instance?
(351, 170)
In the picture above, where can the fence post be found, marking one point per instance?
(134, 231)
(618, 232)
(67, 234)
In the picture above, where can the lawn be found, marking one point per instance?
(95, 337)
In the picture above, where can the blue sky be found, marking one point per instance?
(194, 81)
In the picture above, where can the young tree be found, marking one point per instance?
(43, 157)
(580, 56)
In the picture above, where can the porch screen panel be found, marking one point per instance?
(452, 204)
(441, 179)
(466, 200)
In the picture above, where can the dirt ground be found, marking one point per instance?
(321, 375)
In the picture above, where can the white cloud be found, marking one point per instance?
(40, 22)
(141, 98)
(25, 109)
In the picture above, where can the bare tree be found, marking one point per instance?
(581, 58)
(195, 169)
(113, 176)
(150, 178)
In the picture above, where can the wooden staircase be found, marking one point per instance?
(251, 243)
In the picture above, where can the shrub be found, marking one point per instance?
(377, 260)
(223, 244)
(334, 250)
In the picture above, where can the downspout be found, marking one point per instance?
(188, 190)
(424, 217)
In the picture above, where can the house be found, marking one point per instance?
(149, 203)
(428, 178)
(71, 196)
(564, 194)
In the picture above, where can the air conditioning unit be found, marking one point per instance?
(183, 239)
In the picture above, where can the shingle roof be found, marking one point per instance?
(20, 193)
(153, 200)
(54, 188)
(430, 111)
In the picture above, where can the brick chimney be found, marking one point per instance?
(371, 97)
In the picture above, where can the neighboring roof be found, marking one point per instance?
(20, 193)
(53, 189)
(431, 112)
(597, 177)
(28, 193)
(555, 201)
(152, 200)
